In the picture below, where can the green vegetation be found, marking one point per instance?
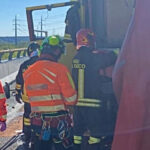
(5, 56)
(5, 46)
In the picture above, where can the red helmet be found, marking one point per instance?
(85, 37)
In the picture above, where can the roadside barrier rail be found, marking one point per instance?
(12, 53)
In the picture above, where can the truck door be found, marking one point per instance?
(46, 20)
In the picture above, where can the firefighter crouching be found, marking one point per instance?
(32, 52)
(95, 112)
(3, 111)
(50, 89)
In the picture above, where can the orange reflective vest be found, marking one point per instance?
(3, 111)
(49, 86)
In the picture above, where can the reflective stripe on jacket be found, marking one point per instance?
(49, 86)
(89, 83)
(3, 111)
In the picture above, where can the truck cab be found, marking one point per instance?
(107, 18)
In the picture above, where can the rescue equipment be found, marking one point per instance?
(52, 126)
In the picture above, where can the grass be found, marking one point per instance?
(5, 46)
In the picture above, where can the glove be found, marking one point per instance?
(18, 98)
(2, 126)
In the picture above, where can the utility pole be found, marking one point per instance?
(16, 42)
(41, 26)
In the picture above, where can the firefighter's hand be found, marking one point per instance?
(2, 126)
(18, 98)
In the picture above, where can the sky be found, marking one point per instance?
(52, 20)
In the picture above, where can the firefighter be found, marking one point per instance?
(72, 21)
(3, 111)
(94, 114)
(20, 96)
(50, 89)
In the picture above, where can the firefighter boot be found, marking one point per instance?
(93, 147)
(77, 147)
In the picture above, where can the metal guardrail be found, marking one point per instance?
(9, 54)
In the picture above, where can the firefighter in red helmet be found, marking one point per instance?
(3, 111)
(94, 114)
(86, 37)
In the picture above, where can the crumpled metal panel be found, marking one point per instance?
(131, 80)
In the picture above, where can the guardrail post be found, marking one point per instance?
(18, 54)
(24, 53)
(1, 55)
(10, 55)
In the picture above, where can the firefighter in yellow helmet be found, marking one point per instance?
(50, 89)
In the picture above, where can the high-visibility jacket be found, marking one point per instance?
(3, 111)
(49, 86)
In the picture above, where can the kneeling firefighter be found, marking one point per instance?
(50, 89)
(32, 51)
